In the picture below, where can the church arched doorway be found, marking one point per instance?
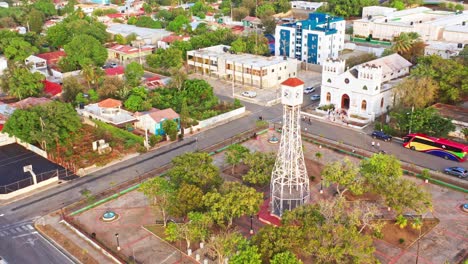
(345, 102)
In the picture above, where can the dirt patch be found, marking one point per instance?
(405, 237)
(314, 170)
(239, 171)
(363, 197)
(82, 255)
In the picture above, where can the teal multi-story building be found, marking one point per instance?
(314, 40)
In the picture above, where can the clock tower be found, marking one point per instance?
(289, 181)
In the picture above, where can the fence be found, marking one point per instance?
(15, 186)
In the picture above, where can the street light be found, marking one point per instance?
(251, 225)
(117, 238)
(411, 119)
(321, 186)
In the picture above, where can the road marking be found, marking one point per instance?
(30, 227)
(28, 234)
(5, 232)
(25, 228)
(19, 229)
(2, 215)
(13, 231)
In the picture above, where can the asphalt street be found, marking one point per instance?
(31, 249)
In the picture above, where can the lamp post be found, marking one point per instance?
(321, 186)
(117, 238)
(411, 119)
(251, 225)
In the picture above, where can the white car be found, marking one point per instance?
(309, 90)
(315, 97)
(249, 94)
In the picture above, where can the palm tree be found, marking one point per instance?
(402, 44)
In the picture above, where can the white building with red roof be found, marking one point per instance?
(127, 53)
(108, 111)
(165, 42)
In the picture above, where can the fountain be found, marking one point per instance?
(109, 216)
(464, 207)
(273, 140)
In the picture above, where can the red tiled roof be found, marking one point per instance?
(172, 38)
(166, 113)
(110, 103)
(293, 82)
(119, 70)
(52, 57)
(129, 49)
(154, 78)
(117, 15)
(30, 102)
(251, 19)
(52, 88)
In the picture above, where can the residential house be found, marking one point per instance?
(147, 36)
(365, 90)
(303, 5)
(30, 102)
(109, 111)
(165, 42)
(52, 89)
(118, 71)
(153, 120)
(314, 40)
(153, 82)
(52, 58)
(246, 69)
(127, 53)
(37, 64)
(444, 49)
(252, 22)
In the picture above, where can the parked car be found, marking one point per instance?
(315, 97)
(309, 90)
(110, 65)
(381, 135)
(456, 171)
(249, 94)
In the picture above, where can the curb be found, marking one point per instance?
(56, 245)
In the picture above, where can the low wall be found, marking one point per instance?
(32, 148)
(28, 189)
(222, 117)
(5, 139)
(376, 51)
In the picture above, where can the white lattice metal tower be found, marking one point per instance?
(289, 180)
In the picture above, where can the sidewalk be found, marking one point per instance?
(73, 245)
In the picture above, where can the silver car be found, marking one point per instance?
(249, 94)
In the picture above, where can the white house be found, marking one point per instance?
(314, 40)
(304, 5)
(444, 49)
(364, 90)
(246, 69)
(108, 111)
(37, 64)
(148, 36)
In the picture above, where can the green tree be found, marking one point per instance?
(120, 39)
(82, 50)
(235, 154)
(225, 244)
(345, 175)
(416, 91)
(133, 73)
(20, 82)
(187, 198)
(272, 240)
(196, 169)
(171, 129)
(45, 124)
(91, 73)
(36, 20)
(239, 46)
(282, 6)
(426, 120)
(64, 32)
(449, 74)
(184, 114)
(165, 59)
(110, 87)
(401, 221)
(403, 43)
(18, 50)
(234, 200)
(47, 7)
(195, 229)
(179, 24)
(265, 10)
(159, 191)
(71, 88)
(136, 103)
(247, 254)
(260, 168)
(285, 258)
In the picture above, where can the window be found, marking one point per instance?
(272, 70)
(363, 105)
(279, 78)
(381, 103)
(328, 97)
(364, 87)
(376, 88)
(346, 80)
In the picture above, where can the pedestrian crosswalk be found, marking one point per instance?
(14, 230)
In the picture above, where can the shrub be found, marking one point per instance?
(326, 107)
(129, 138)
(154, 139)
(401, 240)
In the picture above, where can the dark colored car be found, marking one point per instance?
(456, 171)
(381, 135)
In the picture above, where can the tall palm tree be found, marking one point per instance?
(402, 44)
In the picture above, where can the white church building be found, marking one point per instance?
(365, 90)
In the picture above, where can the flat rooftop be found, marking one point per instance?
(455, 113)
(248, 59)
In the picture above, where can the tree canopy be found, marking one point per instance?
(20, 82)
(62, 33)
(133, 73)
(81, 50)
(423, 120)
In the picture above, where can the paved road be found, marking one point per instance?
(28, 209)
